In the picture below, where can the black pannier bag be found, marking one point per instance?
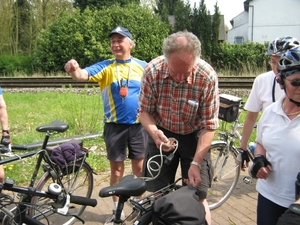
(229, 107)
(181, 207)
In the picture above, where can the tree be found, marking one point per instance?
(22, 20)
(21, 26)
(215, 33)
(84, 36)
(96, 4)
(182, 15)
(166, 8)
(6, 16)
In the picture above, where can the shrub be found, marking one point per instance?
(11, 65)
(84, 36)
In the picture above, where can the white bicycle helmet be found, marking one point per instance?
(289, 62)
(280, 45)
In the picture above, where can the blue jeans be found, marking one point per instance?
(268, 212)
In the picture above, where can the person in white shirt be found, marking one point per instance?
(265, 91)
(276, 162)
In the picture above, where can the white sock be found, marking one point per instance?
(115, 205)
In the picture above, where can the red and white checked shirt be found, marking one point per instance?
(180, 107)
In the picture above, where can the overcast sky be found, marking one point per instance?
(228, 8)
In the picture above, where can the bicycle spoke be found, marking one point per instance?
(78, 182)
(226, 170)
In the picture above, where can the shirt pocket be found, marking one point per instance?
(189, 112)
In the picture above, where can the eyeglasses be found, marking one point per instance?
(295, 83)
(273, 63)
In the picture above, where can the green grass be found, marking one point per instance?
(82, 109)
(224, 126)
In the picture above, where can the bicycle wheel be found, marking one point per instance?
(226, 174)
(77, 182)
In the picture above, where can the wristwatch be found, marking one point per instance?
(196, 164)
(295, 208)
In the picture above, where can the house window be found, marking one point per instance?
(238, 40)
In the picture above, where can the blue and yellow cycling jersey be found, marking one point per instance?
(111, 75)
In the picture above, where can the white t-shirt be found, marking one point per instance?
(281, 138)
(261, 93)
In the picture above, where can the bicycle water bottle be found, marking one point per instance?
(297, 187)
(252, 146)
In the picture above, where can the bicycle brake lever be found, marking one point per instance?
(65, 208)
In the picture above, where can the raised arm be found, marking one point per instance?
(72, 67)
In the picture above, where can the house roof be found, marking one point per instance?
(246, 5)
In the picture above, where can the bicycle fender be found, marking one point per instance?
(218, 142)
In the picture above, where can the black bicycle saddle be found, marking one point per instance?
(128, 186)
(56, 125)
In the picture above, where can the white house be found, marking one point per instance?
(265, 20)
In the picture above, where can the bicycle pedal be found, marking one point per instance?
(247, 179)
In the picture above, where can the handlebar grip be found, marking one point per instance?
(83, 200)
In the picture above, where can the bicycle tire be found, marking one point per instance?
(80, 186)
(226, 174)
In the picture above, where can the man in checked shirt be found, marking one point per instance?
(179, 99)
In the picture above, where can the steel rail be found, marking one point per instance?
(66, 82)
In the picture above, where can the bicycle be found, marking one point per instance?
(49, 201)
(225, 158)
(129, 187)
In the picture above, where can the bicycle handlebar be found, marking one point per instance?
(8, 185)
(83, 200)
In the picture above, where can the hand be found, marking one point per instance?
(5, 140)
(167, 144)
(71, 66)
(244, 158)
(261, 167)
(194, 176)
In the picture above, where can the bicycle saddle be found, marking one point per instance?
(128, 186)
(56, 125)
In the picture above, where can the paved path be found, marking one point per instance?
(239, 209)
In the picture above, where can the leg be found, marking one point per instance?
(116, 173)
(150, 169)
(268, 212)
(1, 174)
(190, 143)
(137, 147)
(115, 137)
(137, 166)
(207, 212)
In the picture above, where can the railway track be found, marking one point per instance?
(59, 82)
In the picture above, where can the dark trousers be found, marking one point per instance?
(267, 211)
